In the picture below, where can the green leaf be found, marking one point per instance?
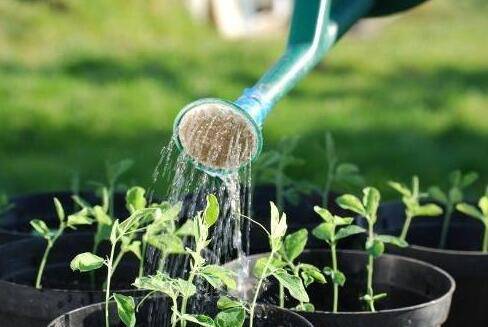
(168, 244)
(324, 213)
(392, 240)
(41, 228)
(135, 199)
(211, 212)
(371, 201)
(380, 296)
(293, 284)
(101, 216)
(200, 320)
(455, 178)
(348, 231)
(187, 229)
(469, 178)
(437, 194)
(375, 247)
(295, 244)
(225, 302)
(126, 309)
(455, 195)
(345, 169)
(428, 210)
(351, 202)
(186, 288)
(305, 307)
(324, 231)
(86, 262)
(59, 210)
(261, 264)
(470, 210)
(218, 276)
(336, 276)
(400, 188)
(278, 224)
(233, 317)
(114, 234)
(79, 218)
(342, 221)
(483, 204)
(311, 274)
(161, 282)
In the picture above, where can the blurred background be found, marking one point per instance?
(85, 82)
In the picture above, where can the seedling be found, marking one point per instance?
(375, 244)
(274, 266)
(328, 231)
(179, 289)
(72, 221)
(454, 195)
(272, 167)
(340, 174)
(122, 237)
(411, 199)
(480, 213)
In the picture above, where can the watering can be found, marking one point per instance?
(221, 136)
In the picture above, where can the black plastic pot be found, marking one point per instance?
(154, 312)
(300, 215)
(14, 224)
(22, 305)
(462, 258)
(419, 294)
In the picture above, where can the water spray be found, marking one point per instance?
(222, 136)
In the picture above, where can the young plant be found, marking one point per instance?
(480, 213)
(328, 231)
(337, 173)
(122, 237)
(180, 290)
(272, 167)
(375, 244)
(454, 195)
(76, 219)
(411, 199)
(273, 265)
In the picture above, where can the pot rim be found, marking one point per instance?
(442, 272)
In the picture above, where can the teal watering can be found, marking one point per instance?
(221, 136)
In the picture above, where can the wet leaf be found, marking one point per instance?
(295, 244)
(351, 202)
(233, 317)
(324, 213)
(348, 231)
(225, 302)
(211, 212)
(126, 309)
(324, 231)
(371, 201)
(200, 320)
(86, 261)
(218, 276)
(293, 284)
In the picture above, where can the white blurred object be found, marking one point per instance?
(243, 18)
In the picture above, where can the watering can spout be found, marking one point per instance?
(222, 136)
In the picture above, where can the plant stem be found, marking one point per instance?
(336, 286)
(282, 296)
(406, 227)
(143, 256)
(485, 240)
(370, 282)
(174, 316)
(43, 264)
(50, 244)
(258, 287)
(184, 300)
(107, 288)
(370, 268)
(445, 225)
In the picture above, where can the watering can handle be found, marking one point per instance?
(315, 26)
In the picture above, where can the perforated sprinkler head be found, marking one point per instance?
(217, 135)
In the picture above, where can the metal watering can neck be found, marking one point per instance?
(207, 128)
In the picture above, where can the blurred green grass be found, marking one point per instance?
(83, 82)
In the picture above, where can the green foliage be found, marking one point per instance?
(126, 309)
(51, 236)
(272, 167)
(480, 213)
(328, 231)
(86, 261)
(413, 208)
(367, 207)
(458, 182)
